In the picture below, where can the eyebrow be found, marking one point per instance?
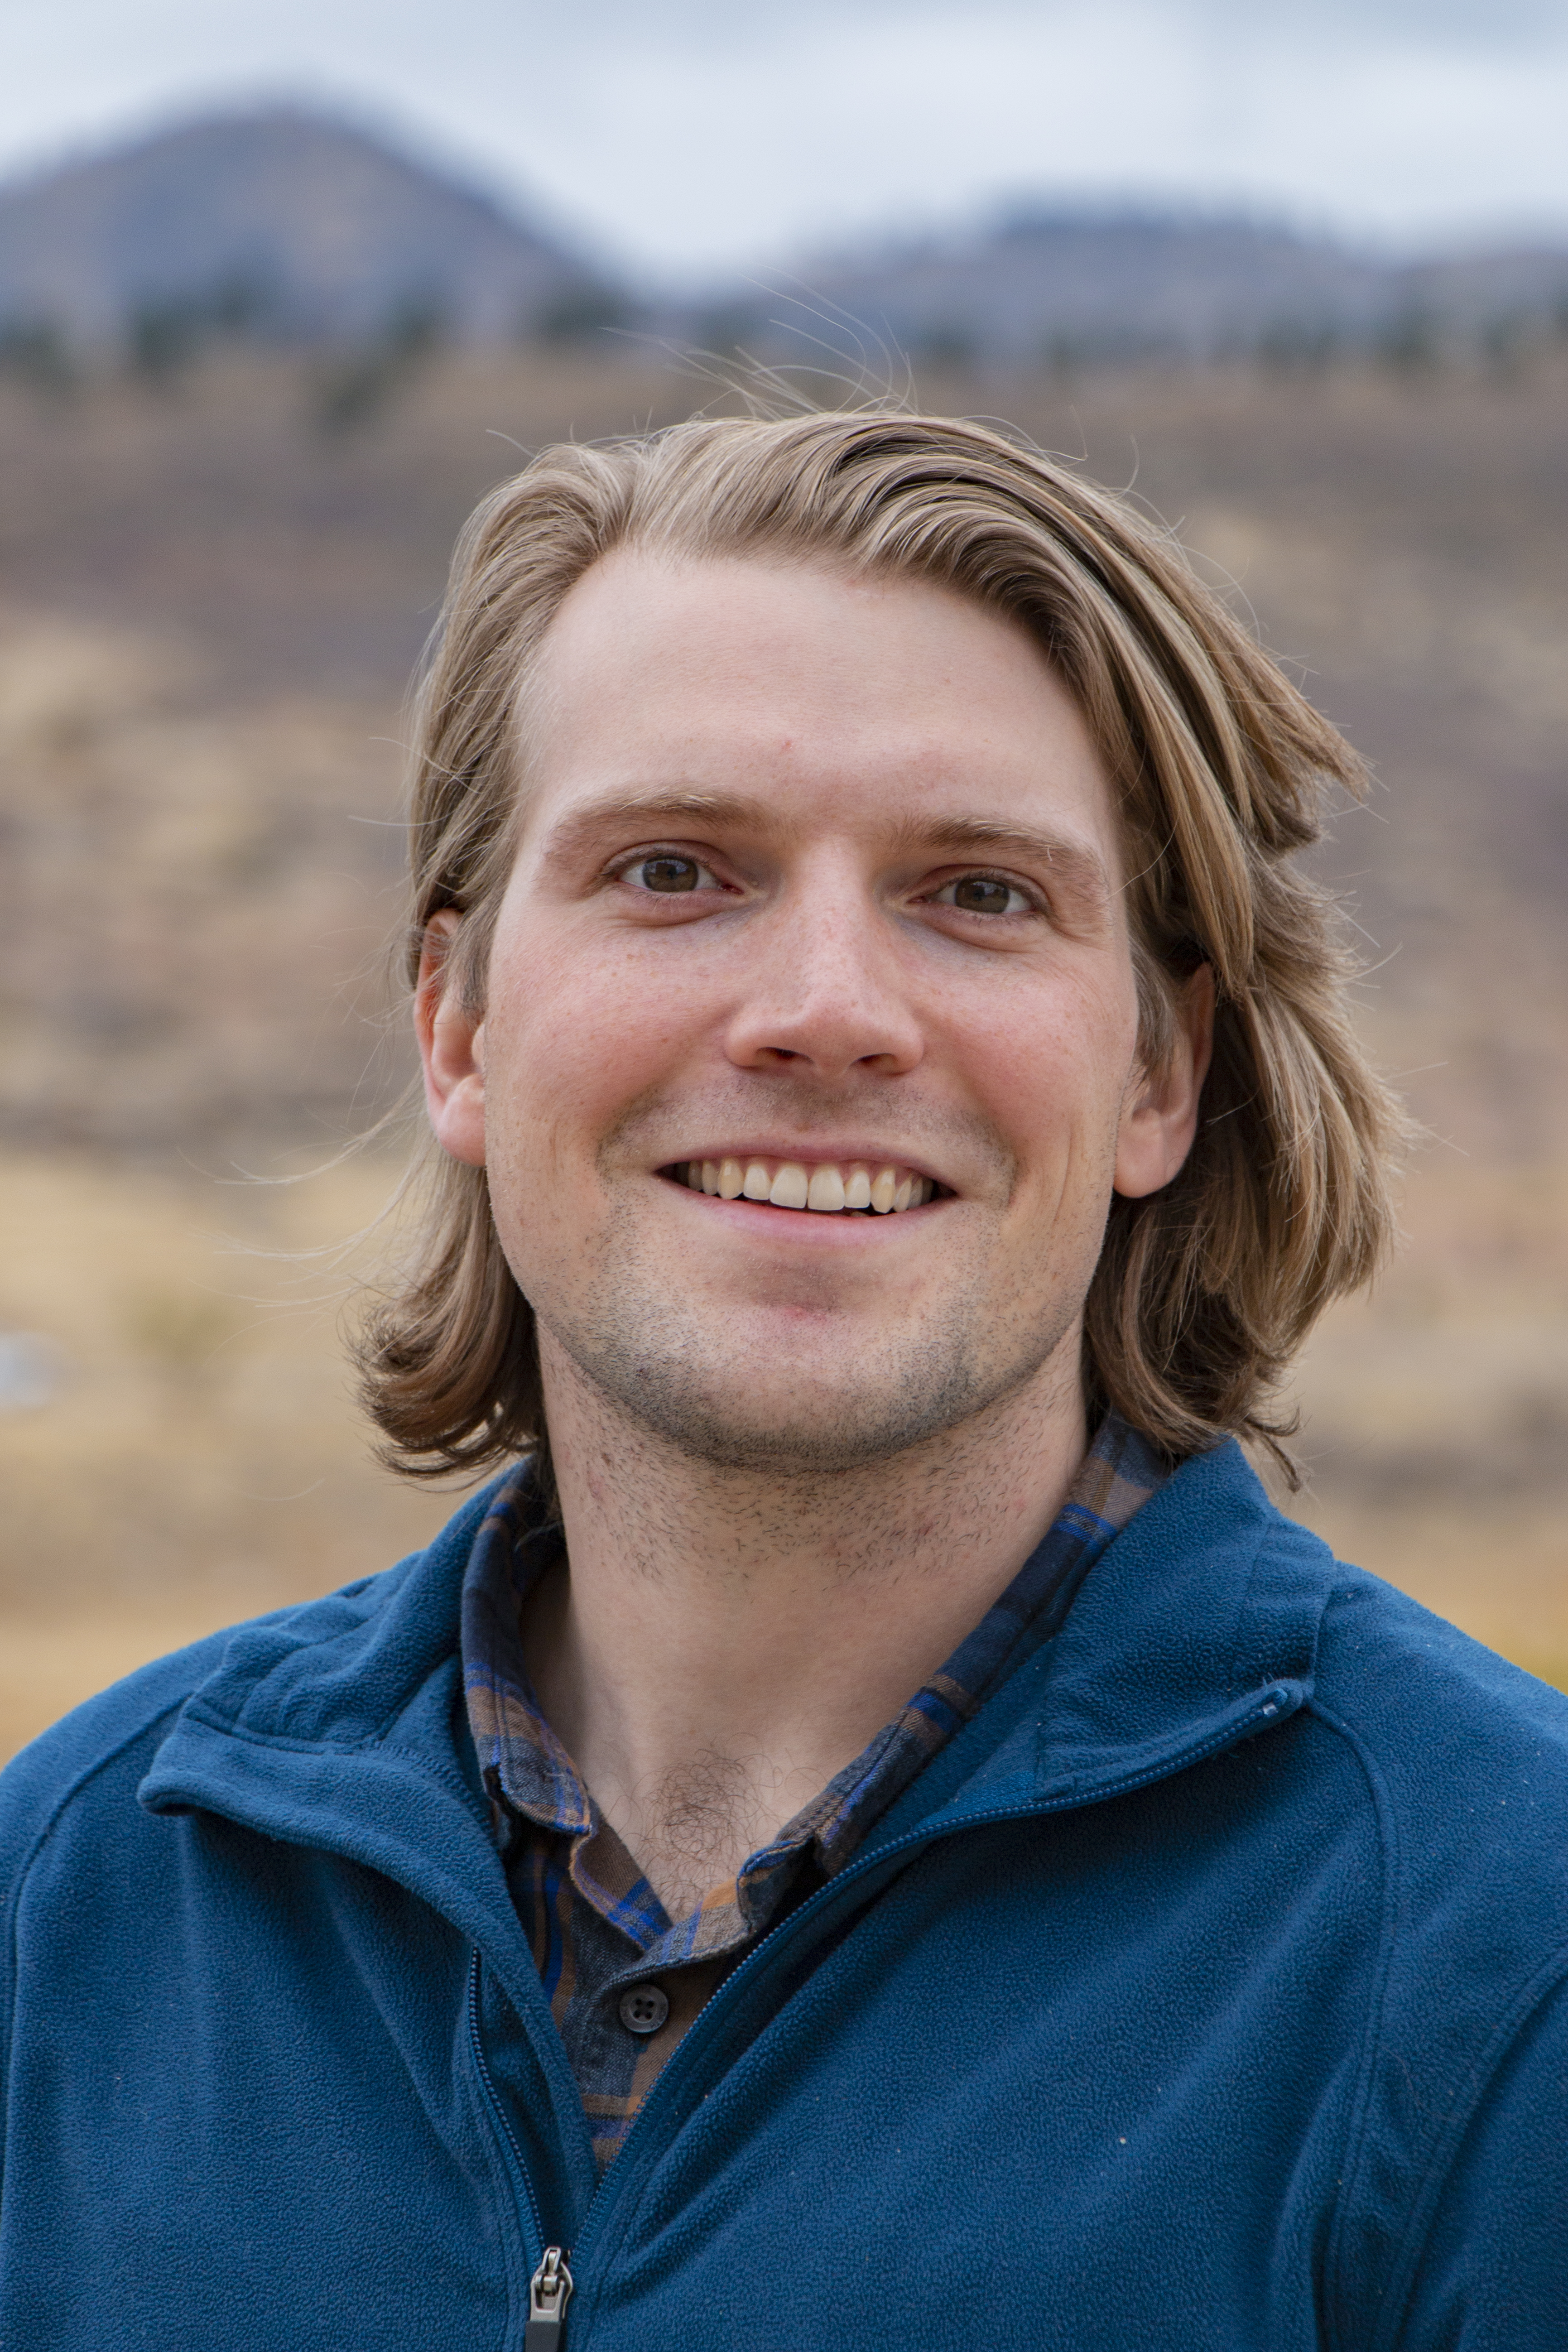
(1074, 863)
(579, 828)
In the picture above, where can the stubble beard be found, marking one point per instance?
(677, 1374)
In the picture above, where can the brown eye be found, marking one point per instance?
(667, 873)
(982, 894)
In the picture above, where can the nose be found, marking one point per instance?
(824, 990)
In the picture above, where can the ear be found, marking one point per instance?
(1160, 1116)
(451, 1047)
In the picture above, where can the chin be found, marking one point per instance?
(812, 1419)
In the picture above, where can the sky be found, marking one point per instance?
(692, 138)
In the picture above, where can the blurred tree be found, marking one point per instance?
(166, 334)
(727, 329)
(1505, 342)
(1410, 343)
(356, 387)
(948, 344)
(584, 312)
(1296, 346)
(162, 339)
(35, 352)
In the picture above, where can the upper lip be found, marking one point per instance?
(841, 1155)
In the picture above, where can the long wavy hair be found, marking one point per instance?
(1221, 771)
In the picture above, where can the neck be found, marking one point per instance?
(724, 1640)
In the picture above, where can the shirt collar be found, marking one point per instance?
(529, 1772)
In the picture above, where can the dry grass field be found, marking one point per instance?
(197, 1457)
(207, 610)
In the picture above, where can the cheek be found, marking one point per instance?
(573, 1035)
(1053, 1069)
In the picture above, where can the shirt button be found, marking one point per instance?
(644, 2008)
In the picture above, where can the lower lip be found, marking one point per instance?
(830, 1228)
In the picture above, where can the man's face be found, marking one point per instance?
(818, 889)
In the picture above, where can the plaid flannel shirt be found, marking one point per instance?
(596, 1929)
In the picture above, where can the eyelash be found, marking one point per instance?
(625, 867)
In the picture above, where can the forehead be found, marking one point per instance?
(861, 701)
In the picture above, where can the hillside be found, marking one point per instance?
(281, 222)
(1067, 288)
(284, 224)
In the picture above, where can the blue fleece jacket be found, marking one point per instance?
(1205, 1994)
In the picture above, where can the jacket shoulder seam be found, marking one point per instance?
(1527, 1998)
(29, 1860)
(1335, 2301)
(76, 1786)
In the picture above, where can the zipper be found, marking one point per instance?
(504, 2125)
(549, 2292)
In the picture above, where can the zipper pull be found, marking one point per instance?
(549, 2292)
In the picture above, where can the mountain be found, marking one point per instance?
(294, 226)
(282, 221)
(1042, 285)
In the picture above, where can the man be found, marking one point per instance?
(869, 1830)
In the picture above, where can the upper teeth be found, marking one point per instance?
(789, 1184)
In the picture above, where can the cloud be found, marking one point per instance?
(694, 134)
(721, 24)
(1425, 23)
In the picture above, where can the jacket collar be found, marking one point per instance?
(340, 1725)
(1198, 1627)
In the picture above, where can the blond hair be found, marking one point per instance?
(1202, 1291)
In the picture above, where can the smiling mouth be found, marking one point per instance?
(832, 1187)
